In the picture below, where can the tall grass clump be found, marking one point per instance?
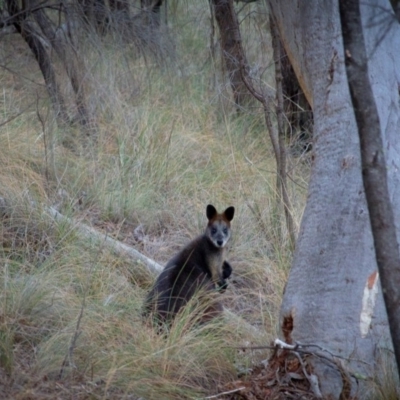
(167, 143)
(385, 385)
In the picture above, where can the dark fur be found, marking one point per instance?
(198, 266)
(226, 273)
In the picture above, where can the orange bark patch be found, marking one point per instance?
(371, 279)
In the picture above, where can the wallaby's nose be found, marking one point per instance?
(220, 242)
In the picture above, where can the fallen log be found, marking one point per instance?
(114, 245)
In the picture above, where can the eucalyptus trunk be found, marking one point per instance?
(333, 298)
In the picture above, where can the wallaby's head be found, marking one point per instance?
(219, 225)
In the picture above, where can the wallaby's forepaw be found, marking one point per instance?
(226, 270)
(226, 273)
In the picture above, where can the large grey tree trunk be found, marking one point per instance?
(373, 164)
(330, 298)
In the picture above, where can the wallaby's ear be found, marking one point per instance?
(229, 213)
(211, 212)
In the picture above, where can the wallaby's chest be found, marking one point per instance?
(214, 260)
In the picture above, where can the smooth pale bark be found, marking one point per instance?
(373, 165)
(330, 295)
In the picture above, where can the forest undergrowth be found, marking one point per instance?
(168, 142)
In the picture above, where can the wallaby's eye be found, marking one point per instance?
(225, 231)
(213, 231)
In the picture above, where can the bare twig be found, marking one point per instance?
(312, 379)
(69, 356)
(216, 396)
(283, 345)
(16, 115)
(10, 20)
(212, 44)
(301, 348)
(43, 124)
(167, 162)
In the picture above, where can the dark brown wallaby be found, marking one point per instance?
(198, 266)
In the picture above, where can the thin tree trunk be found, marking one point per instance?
(27, 32)
(277, 49)
(231, 45)
(68, 57)
(212, 46)
(373, 165)
(278, 144)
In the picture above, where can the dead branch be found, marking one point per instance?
(312, 379)
(16, 115)
(282, 174)
(217, 396)
(114, 245)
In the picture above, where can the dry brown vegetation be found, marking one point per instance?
(169, 142)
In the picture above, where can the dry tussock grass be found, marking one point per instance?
(168, 143)
(70, 310)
